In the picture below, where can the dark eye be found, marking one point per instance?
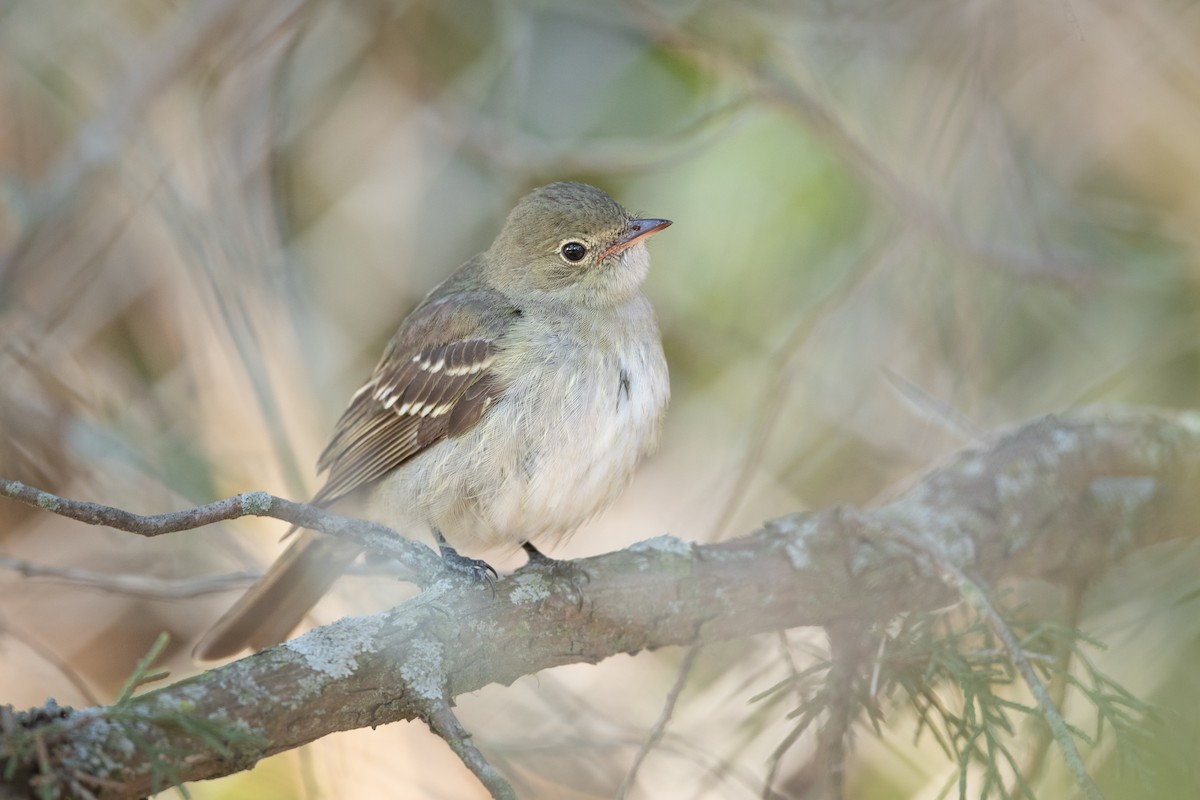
(573, 252)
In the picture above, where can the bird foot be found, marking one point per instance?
(475, 569)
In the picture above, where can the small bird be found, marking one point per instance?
(512, 405)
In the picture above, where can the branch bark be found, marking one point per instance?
(1062, 498)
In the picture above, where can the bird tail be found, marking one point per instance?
(274, 606)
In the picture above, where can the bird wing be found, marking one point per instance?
(434, 381)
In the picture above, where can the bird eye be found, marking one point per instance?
(573, 252)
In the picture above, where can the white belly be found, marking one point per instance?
(557, 447)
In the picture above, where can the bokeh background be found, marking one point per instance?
(898, 225)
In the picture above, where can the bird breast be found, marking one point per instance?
(584, 403)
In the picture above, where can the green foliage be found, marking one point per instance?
(1122, 711)
(928, 654)
(142, 723)
(134, 724)
(961, 684)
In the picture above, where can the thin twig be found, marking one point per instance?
(660, 727)
(783, 375)
(932, 409)
(143, 586)
(51, 656)
(421, 560)
(445, 724)
(847, 644)
(776, 758)
(517, 151)
(1062, 657)
(98, 142)
(771, 85)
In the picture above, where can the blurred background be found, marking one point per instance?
(898, 225)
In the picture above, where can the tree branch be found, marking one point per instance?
(1060, 498)
(424, 564)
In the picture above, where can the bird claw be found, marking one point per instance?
(477, 570)
(474, 569)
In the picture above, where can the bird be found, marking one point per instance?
(511, 406)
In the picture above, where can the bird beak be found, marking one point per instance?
(638, 229)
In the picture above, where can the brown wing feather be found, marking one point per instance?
(408, 405)
(438, 363)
